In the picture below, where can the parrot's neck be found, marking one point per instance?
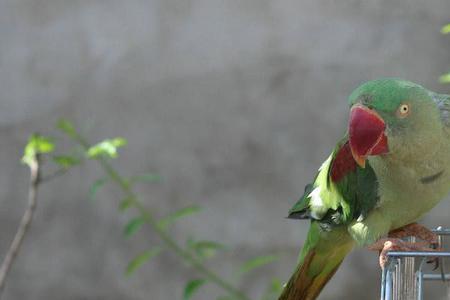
(411, 188)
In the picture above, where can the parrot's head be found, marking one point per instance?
(391, 117)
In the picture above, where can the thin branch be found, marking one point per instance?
(24, 223)
(149, 218)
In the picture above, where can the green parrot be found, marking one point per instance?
(391, 167)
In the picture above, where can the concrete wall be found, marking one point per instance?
(234, 103)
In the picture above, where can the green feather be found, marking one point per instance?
(331, 203)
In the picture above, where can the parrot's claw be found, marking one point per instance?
(435, 260)
(418, 231)
(421, 232)
(394, 244)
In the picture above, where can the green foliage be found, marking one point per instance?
(444, 78)
(37, 144)
(193, 253)
(192, 287)
(173, 217)
(96, 186)
(141, 259)
(126, 203)
(66, 161)
(445, 29)
(67, 127)
(204, 249)
(107, 148)
(257, 262)
(133, 226)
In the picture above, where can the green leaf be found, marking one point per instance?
(133, 225)
(66, 161)
(107, 148)
(126, 203)
(146, 177)
(257, 262)
(119, 142)
(445, 29)
(43, 144)
(173, 217)
(205, 249)
(67, 127)
(141, 259)
(445, 78)
(96, 186)
(192, 287)
(37, 144)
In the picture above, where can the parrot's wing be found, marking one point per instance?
(341, 192)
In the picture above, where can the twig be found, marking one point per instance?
(24, 223)
(149, 218)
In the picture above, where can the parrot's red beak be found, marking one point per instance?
(366, 134)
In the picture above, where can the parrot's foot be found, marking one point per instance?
(394, 244)
(418, 231)
(421, 232)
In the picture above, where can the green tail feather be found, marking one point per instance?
(319, 260)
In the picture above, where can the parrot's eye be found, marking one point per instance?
(403, 111)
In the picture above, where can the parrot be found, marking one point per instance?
(390, 168)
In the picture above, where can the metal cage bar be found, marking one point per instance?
(401, 280)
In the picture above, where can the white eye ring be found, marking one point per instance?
(403, 111)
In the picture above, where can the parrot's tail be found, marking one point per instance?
(320, 258)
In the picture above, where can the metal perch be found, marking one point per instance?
(401, 280)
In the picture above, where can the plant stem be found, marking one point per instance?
(24, 223)
(163, 235)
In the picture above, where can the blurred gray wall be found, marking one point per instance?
(234, 103)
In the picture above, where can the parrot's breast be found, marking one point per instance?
(409, 190)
